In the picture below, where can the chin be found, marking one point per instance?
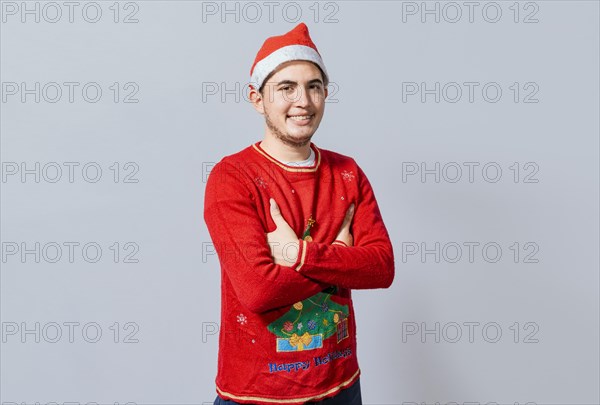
(297, 140)
(301, 133)
(301, 137)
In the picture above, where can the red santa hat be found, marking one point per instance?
(294, 45)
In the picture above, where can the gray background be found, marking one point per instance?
(176, 131)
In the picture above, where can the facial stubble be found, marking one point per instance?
(285, 137)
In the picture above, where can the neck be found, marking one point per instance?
(284, 152)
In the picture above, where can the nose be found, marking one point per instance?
(302, 97)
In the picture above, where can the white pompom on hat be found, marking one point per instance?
(294, 45)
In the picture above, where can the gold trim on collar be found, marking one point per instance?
(291, 168)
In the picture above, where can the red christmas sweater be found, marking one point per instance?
(288, 334)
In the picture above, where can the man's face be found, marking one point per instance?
(293, 102)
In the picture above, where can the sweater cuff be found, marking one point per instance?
(301, 255)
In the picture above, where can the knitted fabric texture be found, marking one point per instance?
(288, 333)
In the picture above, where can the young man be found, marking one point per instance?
(295, 228)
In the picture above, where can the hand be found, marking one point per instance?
(283, 242)
(344, 234)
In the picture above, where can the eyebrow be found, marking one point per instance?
(295, 83)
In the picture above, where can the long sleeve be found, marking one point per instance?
(367, 264)
(239, 237)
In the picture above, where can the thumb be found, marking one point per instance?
(276, 213)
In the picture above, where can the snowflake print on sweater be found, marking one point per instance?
(348, 176)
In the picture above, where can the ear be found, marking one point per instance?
(256, 100)
(326, 91)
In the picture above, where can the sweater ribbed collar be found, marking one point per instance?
(297, 169)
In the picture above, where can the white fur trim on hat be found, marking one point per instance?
(285, 54)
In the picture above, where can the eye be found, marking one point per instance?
(286, 88)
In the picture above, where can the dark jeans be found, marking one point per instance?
(348, 396)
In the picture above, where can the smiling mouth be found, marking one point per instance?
(301, 118)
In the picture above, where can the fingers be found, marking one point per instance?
(344, 235)
(348, 217)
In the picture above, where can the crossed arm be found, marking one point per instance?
(284, 236)
(257, 268)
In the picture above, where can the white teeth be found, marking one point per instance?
(300, 117)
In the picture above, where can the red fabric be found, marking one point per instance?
(256, 292)
(298, 36)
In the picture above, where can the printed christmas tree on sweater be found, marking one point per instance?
(309, 322)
